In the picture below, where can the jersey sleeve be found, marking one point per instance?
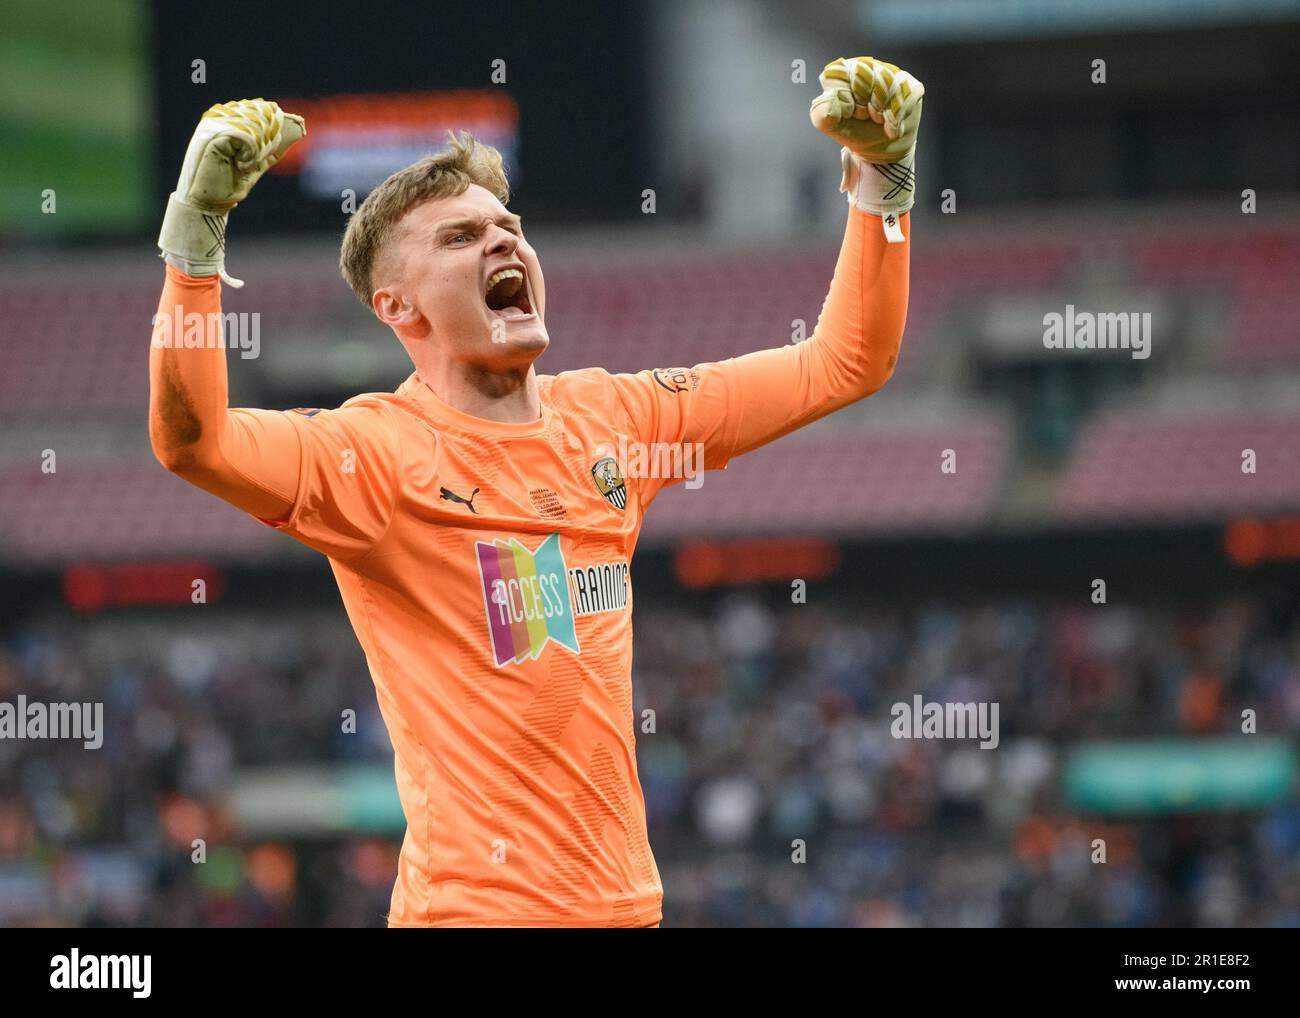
(723, 409)
(349, 463)
(681, 421)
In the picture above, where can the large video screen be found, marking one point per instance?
(560, 89)
(75, 117)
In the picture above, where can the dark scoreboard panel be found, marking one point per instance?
(560, 88)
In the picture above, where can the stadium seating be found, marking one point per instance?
(847, 482)
(81, 364)
(126, 510)
(772, 724)
(1129, 466)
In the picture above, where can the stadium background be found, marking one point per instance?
(1120, 721)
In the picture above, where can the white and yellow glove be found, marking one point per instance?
(873, 109)
(234, 144)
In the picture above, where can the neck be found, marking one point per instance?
(508, 397)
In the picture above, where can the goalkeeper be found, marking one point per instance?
(478, 527)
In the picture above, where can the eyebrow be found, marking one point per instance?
(509, 219)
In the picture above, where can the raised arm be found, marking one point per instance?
(247, 457)
(250, 458)
(730, 407)
(873, 109)
(851, 353)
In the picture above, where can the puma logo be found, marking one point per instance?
(451, 496)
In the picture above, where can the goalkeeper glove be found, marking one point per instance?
(873, 110)
(234, 144)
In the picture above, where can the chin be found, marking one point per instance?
(526, 343)
(527, 352)
(535, 335)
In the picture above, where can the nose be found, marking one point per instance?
(501, 240)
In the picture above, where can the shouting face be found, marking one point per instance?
(460, 275)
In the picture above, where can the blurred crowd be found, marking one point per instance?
(775, 792)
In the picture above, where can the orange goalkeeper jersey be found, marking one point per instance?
(486, 569)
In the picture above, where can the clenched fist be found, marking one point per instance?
(234, 144)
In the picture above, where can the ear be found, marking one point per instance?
(393, 310)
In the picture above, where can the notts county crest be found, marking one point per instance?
(609, 482)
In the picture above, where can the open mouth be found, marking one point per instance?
(507, 295)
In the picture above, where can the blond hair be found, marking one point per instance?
(465, 161)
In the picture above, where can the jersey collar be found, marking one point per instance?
(444, 415)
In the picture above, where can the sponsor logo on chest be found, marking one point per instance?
(533, 597)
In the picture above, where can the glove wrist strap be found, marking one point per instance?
(194, 240)
(880, 189)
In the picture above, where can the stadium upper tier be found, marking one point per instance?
(1256, 272)
(73, 378)
(72, 351)
(78, 353)
(1130, 466)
